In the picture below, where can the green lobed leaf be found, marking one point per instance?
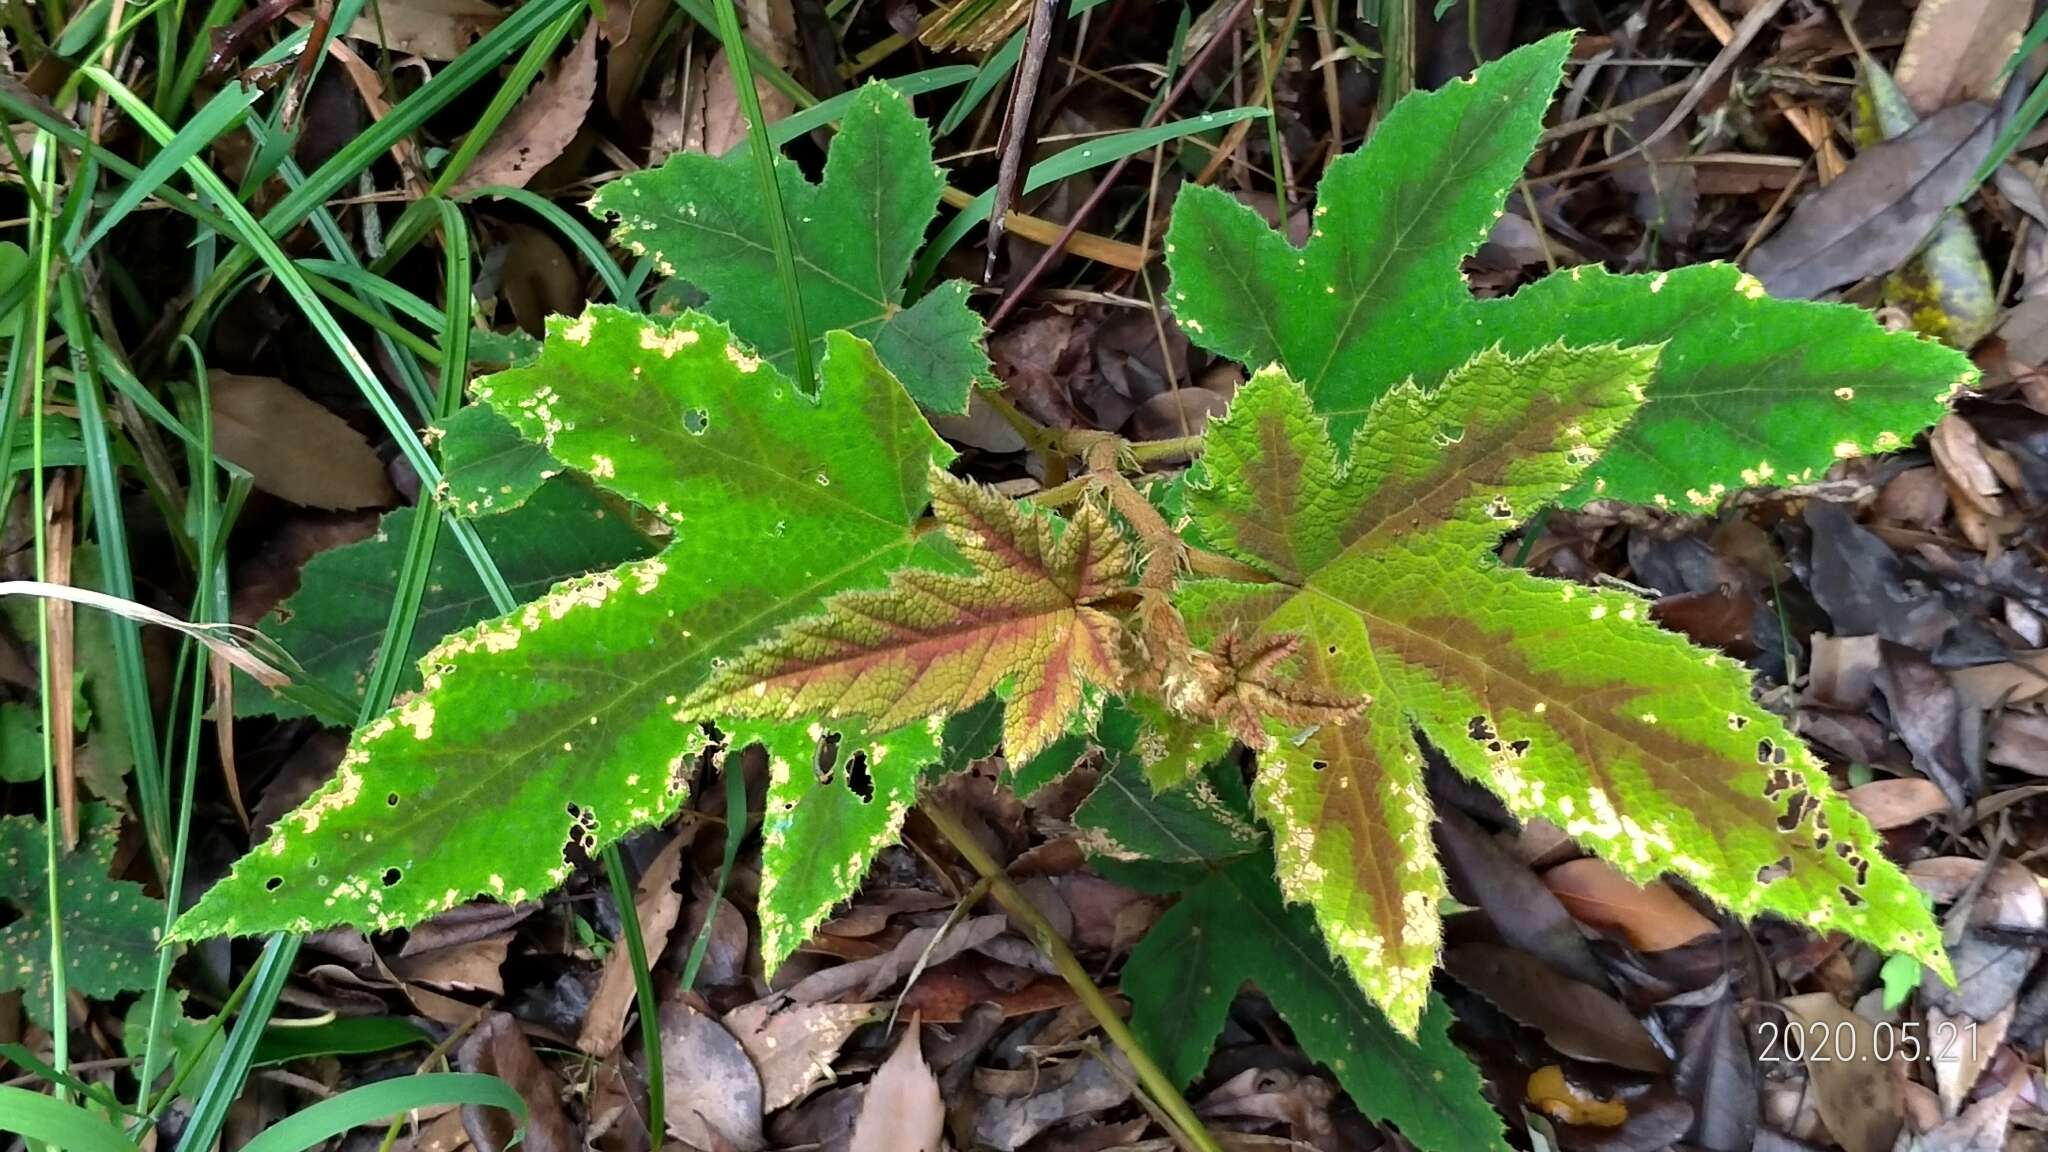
(1235, 927)
(110, 926)
(1031, 621)
(824, 822)
(855, 233)
(487, 467)
(1749, 390)
(561, 723)
(1199, 822)
(194, 1045)
(21, 743)
(895, 662)
(334, 623)
(1049, 764)
(1566, 701)
(1232, 925)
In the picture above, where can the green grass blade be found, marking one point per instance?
(373, 1102)
(2036, 36)
(1071, 162)
(265, 248)
(57, 1124)
(478, 62)
(43, 176)
(2008, 139)
(367, 283)
(735, 832)
(828, 111)
(219, 116)
(739, 56)
(590, 246)
(412, 223)
(643, 982)
(103, 483)
(993, 72)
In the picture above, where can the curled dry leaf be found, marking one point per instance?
(1717, 1074)
(1651, 917)
(926, 947)
(1007, 1124)
(1961, 1051)
(902, 1111)
(543, 123)
(295, 449)
(1526, 912)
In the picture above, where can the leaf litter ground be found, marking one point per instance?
(1903, 599)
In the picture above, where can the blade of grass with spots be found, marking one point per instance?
(855, 234)
(1749, 389)
(1566, 701)
(561, 722)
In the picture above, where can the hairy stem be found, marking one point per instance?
(1165, 1093)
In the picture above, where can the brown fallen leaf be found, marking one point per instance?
(2019, 680)
(1854, 1090)
(498, 1048)
(1962, 458)
(294, 448)
(1927, 718)
(902, 1111)
(1875, 215)
(1982, 1128)
(1652, 917)
(1523, 909)
(792, 1045)
(471, 966)
(657, 904)
(433, 29)
(1576, 1019)
(1094, 1086)
(542, 125)
(1278, 1094)
(2019, 740)
(949, 993)
(771, 25)
(714, 1093)
(1960, 1050)
(630, 33)
(1843, 670)
(1897, 803)
(1717, 1075)
(928, 947)
(1956, 50)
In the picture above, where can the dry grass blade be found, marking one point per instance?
(224, 640)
